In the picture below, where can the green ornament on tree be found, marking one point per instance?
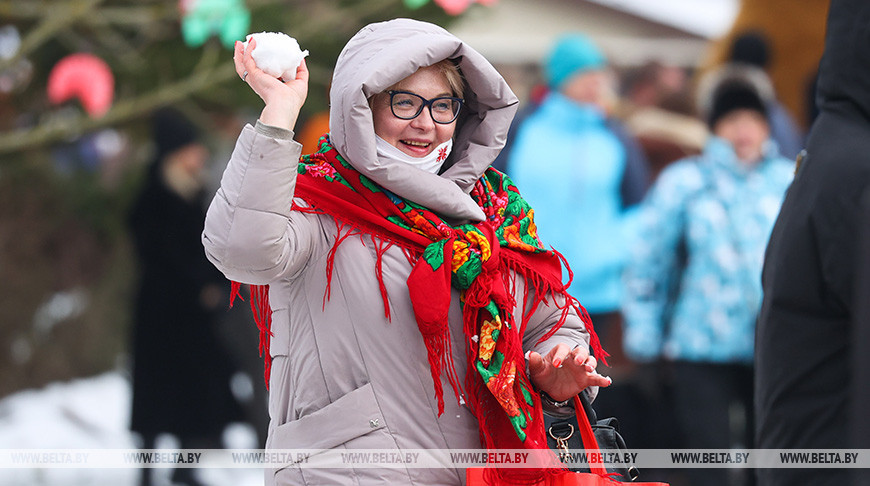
(229, 19)
(415, 4)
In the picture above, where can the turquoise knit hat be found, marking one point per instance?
(572, 54)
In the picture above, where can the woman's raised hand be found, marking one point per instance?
(283, 98)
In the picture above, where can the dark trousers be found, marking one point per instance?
(713, 405)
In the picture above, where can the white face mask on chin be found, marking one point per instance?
(430, 163)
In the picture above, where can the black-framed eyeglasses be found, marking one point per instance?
(407, 106)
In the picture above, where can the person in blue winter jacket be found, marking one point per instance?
(693, 284)
(582, 172)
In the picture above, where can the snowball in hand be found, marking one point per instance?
(276, 53)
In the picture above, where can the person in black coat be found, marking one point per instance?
(804, 337)
(859, 418)
(181, 373)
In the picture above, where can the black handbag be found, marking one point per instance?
(563, 435)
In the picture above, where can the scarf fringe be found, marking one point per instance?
(381, 246)
(440, 354)
(538, 288)
(572, 303)
(435, 347)
(534, 293)
(411, 255)
(382, 242)
(262, 313)
(330, 256)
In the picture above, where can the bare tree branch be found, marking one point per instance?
(122, 111)
(60, 17)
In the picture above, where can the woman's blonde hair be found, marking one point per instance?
(454, 77)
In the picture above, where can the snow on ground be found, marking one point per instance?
(93, 413)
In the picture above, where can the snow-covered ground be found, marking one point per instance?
(93, 413)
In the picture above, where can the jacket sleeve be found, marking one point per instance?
(573, 332)
(250, 233)
(653, 265)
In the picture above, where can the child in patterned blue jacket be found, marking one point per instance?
(693, 282)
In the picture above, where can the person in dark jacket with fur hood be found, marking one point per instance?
(805, 330)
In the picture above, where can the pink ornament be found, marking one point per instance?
(454, 7)
(186, 6)
(86, 77)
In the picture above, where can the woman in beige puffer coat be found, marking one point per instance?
(350, 369)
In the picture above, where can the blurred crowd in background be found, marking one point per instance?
(93, 282)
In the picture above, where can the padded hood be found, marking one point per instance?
(845, 66)
(382, 54)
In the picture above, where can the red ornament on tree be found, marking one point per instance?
(86, 77)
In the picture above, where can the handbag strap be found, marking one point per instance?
(590, 445)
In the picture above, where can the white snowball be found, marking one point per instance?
(276, 53)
